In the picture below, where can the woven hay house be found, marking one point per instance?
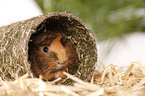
(15, 38)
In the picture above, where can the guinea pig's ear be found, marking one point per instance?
(38, 39)
(64, 41)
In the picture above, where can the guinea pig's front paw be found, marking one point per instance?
(50, 76)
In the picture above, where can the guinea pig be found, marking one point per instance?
(50, 54)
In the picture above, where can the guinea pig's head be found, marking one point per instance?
(50, 54)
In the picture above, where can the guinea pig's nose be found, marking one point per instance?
(59, 62)
(59, 65)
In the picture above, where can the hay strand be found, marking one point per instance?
(37, 87)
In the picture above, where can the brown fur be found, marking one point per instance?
(61, 56)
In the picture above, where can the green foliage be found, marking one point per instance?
(107, 18)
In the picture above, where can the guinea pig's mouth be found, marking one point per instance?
(58, 68)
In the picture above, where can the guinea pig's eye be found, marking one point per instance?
(45, 49)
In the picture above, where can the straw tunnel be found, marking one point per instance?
(15, 38)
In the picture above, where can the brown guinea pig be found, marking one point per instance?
(50, 54)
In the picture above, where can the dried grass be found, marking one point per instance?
(112, 81)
